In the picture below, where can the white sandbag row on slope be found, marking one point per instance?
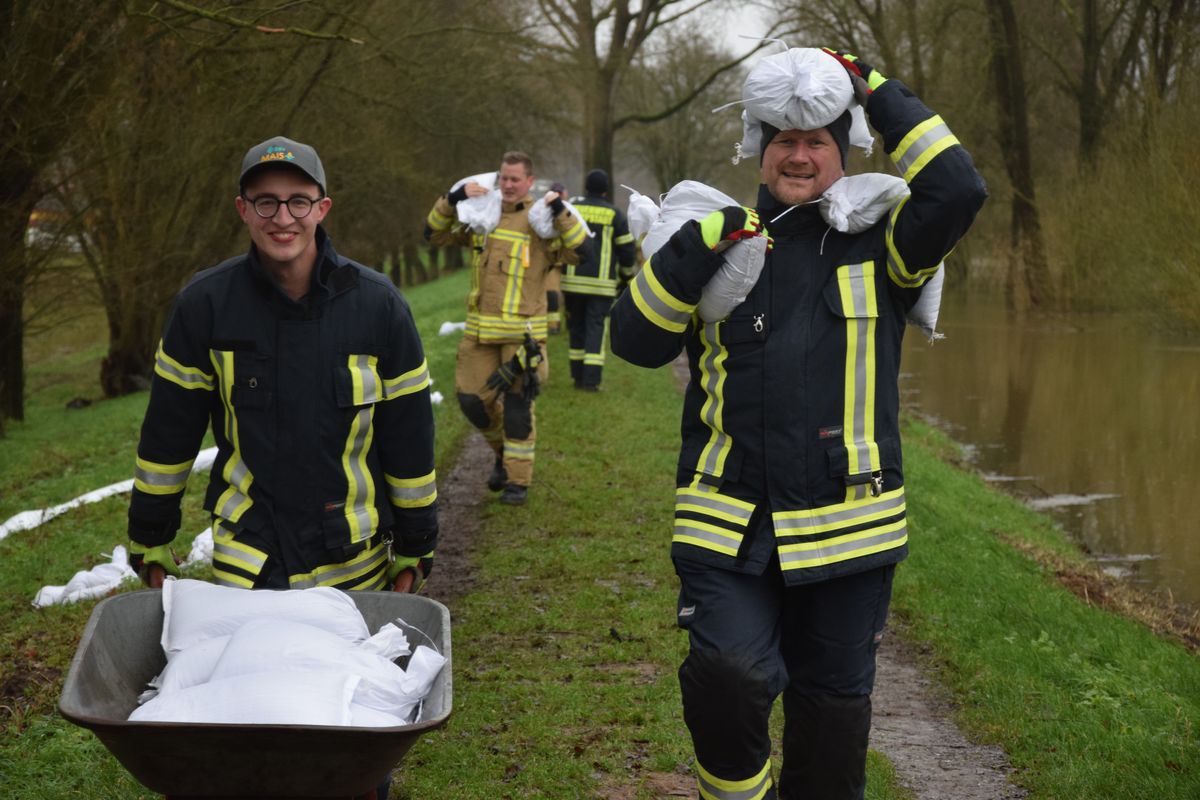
(294, 657)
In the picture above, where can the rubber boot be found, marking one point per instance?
(499, 477)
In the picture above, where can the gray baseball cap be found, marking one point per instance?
(280, 150)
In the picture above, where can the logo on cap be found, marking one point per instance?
(277, 153)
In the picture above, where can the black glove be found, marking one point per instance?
(458, 195)
(531, 353)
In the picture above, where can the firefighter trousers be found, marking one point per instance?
(587, 326)
(751, 638)
(506, 419)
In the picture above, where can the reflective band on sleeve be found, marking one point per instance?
(412, 492)
(625, 238)
(657, 304)
(921, 145)
(897, 269)
(712, 382)
(843, 548)
(365, 385)
(407, 383)
(361, 514)
(713, 788)
(187, 377)
(856, 283)
(437, 220)
(573, 236)
(153, 478)
(826, 519)
(583, 284)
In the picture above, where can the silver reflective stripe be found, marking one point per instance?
(175, 480)
(239, 557)
(229, 508)
(403, 386)
(725, 540)
(646, 293)
(333, 576)
(357, 502)
(411, 493)
(714, 503)
(828, 552)
(710, 411)
(785, 526)
(918, 148)
(707, 789)
(192, 379)
(860, 309)
(372, 392)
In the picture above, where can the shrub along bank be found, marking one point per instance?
(565, 652)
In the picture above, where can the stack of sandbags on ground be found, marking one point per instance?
(295, 657)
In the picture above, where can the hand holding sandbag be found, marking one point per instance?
(725, 226)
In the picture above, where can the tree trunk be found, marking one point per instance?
(599, 131)
(16, 204)
(412, 260)
(130, 360)
(1027, 256)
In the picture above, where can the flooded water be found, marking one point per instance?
(1085, 417)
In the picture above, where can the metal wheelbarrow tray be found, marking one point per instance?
(120, 652)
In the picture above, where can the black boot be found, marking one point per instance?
(514, 495)
(499, 476)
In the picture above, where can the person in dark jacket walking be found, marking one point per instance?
(790, 499)
(310, 369)
(605, 264)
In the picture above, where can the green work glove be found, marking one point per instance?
(407, 574)
(865, 78)
(728, 225)
(141, 558)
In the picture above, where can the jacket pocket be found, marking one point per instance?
(853, 292)
(865, 463)
(253, 381)
(357, 381)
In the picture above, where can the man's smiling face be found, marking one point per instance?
(798, 166)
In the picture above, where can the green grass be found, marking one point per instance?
(565, 654)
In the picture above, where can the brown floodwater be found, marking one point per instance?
(1089, 417)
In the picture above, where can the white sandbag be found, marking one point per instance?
(194, 611)
(275, 645)
(481, 214)
(856, 202)
(541, 219)
(802, 88)
(685, 200)
(924, 313)
(732, 282)
(191, 667)
(422, 670)
(389, 642)
(87, 584)
(263, 698)
(643, 212)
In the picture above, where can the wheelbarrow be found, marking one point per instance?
(120, 652)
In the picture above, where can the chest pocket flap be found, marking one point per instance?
(357, 381)
(852, 293)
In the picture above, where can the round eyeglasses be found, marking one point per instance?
(267, 206)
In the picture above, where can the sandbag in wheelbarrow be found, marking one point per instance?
(120, 651)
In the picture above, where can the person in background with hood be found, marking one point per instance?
(605, 264)
(790, 498)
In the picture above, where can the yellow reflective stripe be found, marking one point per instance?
(364, 379)
(412, 492)
(843, 548)
(407, 382)
(186, 377)
(153, 478)
(518, 259)
(812, 521)
(506, 235)
(921, 145)
(582, 283)
(522, 451)
(224, 578)
(897, 270)
(657, 304)
(625, 238)
(712, 382)
(856, 284)
(597, 214)
(369, 564)
(487, 328)
(713, 788)
(437, 220)
(710, 537)
(713, 504)
(360, 512)
(573, 236)
(576, 355)
(235, 500)
(239, 554)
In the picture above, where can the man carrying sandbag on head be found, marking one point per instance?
(311, 371)
(501, 356)
(790, 505)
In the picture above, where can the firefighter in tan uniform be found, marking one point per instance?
(501, 356)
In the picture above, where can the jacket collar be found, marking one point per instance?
(519, 205)
(799, 221)
(327, 278)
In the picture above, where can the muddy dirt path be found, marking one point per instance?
(912, 723)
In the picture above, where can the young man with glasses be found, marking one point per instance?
(310, 369)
